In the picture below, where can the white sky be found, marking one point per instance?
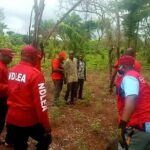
(17, 13)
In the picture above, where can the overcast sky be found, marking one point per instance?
(17, 13)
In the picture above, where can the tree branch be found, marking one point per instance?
(58, 22)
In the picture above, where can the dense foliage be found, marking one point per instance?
(93, 27)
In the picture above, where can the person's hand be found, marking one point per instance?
(65, 81)
(121, 134)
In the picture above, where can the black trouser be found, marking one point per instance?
(58, 84)
(80, 87)
(18, 136)
(3, 112)
(71, 91)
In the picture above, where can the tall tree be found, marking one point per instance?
(61, 19)
(38, 11)
(136, 11)
(2, 25)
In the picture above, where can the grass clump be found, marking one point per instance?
(81, 144)
(95, 126)
(78, 116)
(56, 114)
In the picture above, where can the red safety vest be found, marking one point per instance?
(55, 65)
(137, 67)
(142, 110)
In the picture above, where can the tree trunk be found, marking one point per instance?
(38, 10)
(110, 61)
(30, 24)
(118, 30)
(136, 37)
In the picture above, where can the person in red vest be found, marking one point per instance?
(58, 75)
(134, 107)
(116, 75)
(27, 104)
(6, 56)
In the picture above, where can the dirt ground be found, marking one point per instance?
(89, 124)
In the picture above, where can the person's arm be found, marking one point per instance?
(42, 51)
(130, 103)
(114, 73)
(130, 86)
(40, 101)
(66, 66)
(58, 70)
(56, 67)
(3, 86)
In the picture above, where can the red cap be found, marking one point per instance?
(62, 54)
(29, 50)
(6, 52)
(126, 60)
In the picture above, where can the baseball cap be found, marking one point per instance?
(62, 54)
(7, 52)
(29, 50)
(126, 60)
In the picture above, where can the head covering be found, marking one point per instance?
(62, 54)
(6, 52)
(29, 50)
(126, 60)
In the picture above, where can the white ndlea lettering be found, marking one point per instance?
(42, 93)
(17, 77)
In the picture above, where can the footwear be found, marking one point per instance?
(67, 103)
(7, 144)
(72, 103)
(2, 141)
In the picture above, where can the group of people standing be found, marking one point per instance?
(71, 71)
(23, 98)
(133, 103)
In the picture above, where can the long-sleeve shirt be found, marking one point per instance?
(70, 68)
(27, 101)
(3, 79)
(81, 69)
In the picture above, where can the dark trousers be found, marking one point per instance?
(58, 84)
(18, 136)
(80, 88)
(71, 91)
(3, 112)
